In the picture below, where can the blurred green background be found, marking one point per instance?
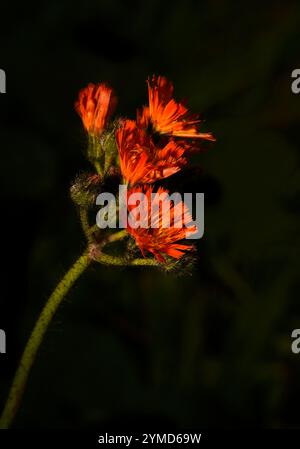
(134, 346)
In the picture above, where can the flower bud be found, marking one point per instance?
(102, 150)
(95, 105)
(85, 189)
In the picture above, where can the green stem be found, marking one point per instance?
(35, 340)
(98, 168)
(84, 219)
(107, 259)
(117, 236)
(144, 262)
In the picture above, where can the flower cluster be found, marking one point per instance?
(140, 152)
(152, 147)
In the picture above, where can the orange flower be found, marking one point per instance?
(95, 105)
(143, 162)
(166, 116)
(163, 224)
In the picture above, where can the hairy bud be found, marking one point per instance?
(85, 189)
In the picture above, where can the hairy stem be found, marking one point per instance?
(107, 259)
(98, 168)
(84, 219)
(117, 236)
(145, 262)
(35, 340)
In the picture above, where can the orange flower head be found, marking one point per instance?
(157, 225)
(141, 161)
(95, 105)
(166, 116)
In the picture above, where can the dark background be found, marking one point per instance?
(136, 346)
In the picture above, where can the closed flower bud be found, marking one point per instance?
(85, 189)
(95, 105)
(102, 150)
